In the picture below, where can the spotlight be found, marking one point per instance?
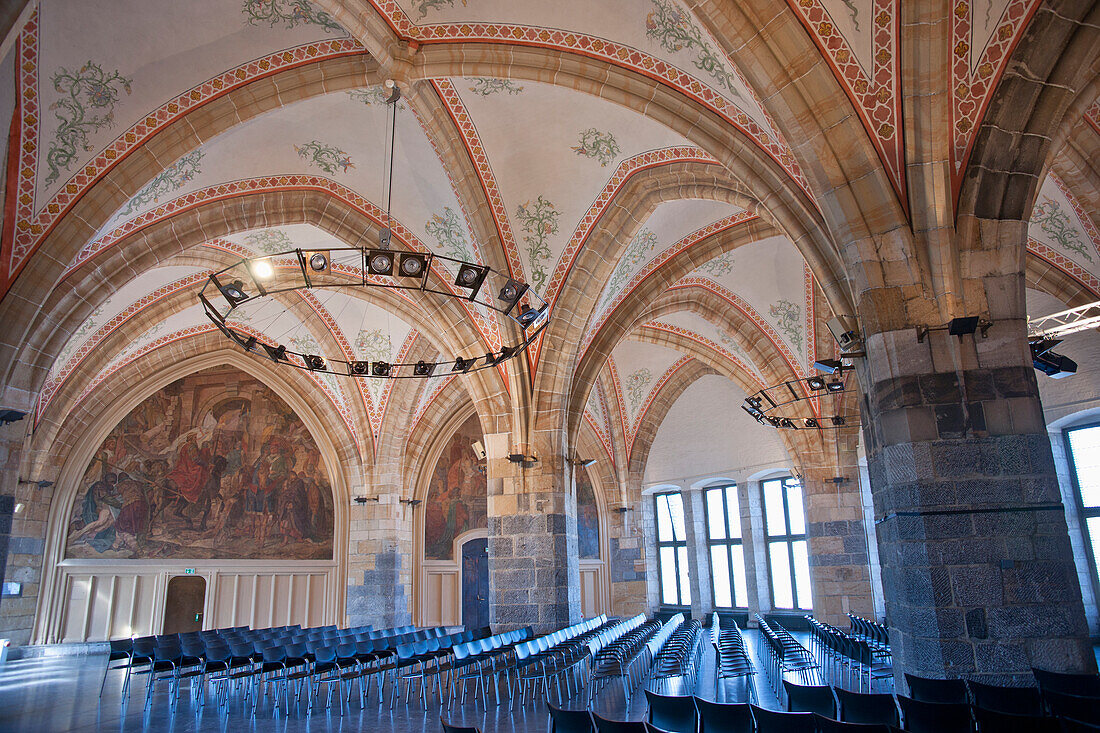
(816, 383)
(380, 369)
(962, 326)
(318, 261)
(754, 402)
(1050, 363)
(491, 359)
(471, 277)
(788, 423)
(835, 386)
(462, 365)
(512, 291)
(233, 292)
(583, 462)
(810, 422)
(250, 343)
(380, 262)
(828, 366)
(423, 369)
(277, 353)
(314, 362)
(412, 265)
(262, 269)
(847, 339)
(838, 420)
(358, 368)
(529, 315)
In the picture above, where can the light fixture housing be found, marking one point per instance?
(834, 386)
(233, 292)
(529, 315)
(828, 366)
(412, 264)
(962, 326)
(838, 420)
(276, 353)
(380, 262)
(380, 369)
(423, 369)
(815, 383)
(359, 368)
(262, 269)
(314, 362)
(463, 365)
(318, 261)
(471, 277)
(510, 294)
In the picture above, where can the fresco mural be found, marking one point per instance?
(457, 493)
(588, 519)
(215, 465)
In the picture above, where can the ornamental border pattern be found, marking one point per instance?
(1065, 264)
(1092, 116)
(614, 53)
(488, 329)
(970, 106)
(875, 98)
(31, 227)
(605, 440)
(470, 138)
(657, 387)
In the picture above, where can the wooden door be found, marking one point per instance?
(184, 604)
(475, 583)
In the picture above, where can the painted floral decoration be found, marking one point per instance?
(598, 145)
(88, 106)
(540, 221)
(288, 12)
(328, 158)
(170, 179)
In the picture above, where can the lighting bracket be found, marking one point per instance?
(982, 325)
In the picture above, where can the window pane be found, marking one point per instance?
(716, 521)
(676, 509)
(740, 587)
(802, 575)
(783, 594)
(1085, 446)
(720, 572)
(794, 507)
(733, 513)
(773, 507)
(1093, 525)
(668, 575)
(664, 521)
(685, 588)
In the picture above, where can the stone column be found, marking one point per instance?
(534, 575)
(695, 526)
(977, 566)
(380, 563)
(756, 550)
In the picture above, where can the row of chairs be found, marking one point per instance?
(621, 656)
(565, 655)
(785, 654)
(870, 631)
(731, 657)
(843, 657)
(678, 657)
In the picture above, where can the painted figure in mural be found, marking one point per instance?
(588, 520)
(193, 472)
(457, 494)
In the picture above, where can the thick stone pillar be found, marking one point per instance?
(695, 526)
(534, 575)
(380, 563)
(977, 567)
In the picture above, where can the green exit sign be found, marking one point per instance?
(188, 571)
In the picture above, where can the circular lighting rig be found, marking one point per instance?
(254, 280)
(786, 406)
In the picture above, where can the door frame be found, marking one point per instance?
(206, 597)
(471, 537)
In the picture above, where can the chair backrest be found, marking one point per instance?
(718, 717)
(810, 699)
(828, 725)
(448, 728)
(605, 725)
(345, 651)
(935, 717)
(935, 690)
(773, 721)
(569, 721)
(1011, 700)
(1075, 707)
(672, 713)
(324, 654)
(1087, 685)
(876, 708)
(989, 720)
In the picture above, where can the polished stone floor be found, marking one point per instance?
(62, 694)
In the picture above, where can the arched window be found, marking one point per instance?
(788, 554)
(727, 553)
(672, 549)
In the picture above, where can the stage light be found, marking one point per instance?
(318, 261)
(754, 402)
(1054, 365)
(250, 343)
(233, 292)
(358, 368)
(510, 294)
(828, 366)
(380, 369)
(462, 365)
(277, 353)
(962, 326)
(816, 383)
(262, 269)
(471, 277)
(810, 422)
(314, 362)
(423, 369)
(412, 265)
(380, 262)
(788, 423)
(838, 420)
(529, 315)
(835, 386)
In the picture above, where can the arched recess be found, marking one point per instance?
(64, 580)
(437, 583)
(595, 572)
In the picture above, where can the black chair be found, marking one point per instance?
(448, 728)
(810, 699)
(569, 721)
(935, 717)
(933, 690)
(674, 714)
(1011, 700)
(720, 717)
(653, 729)
(875, 708)
(991, 721)
(1076, 707)
(1076, 726)
(1085, 685)
(771, 721)
(828, 725)
(603, 725)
